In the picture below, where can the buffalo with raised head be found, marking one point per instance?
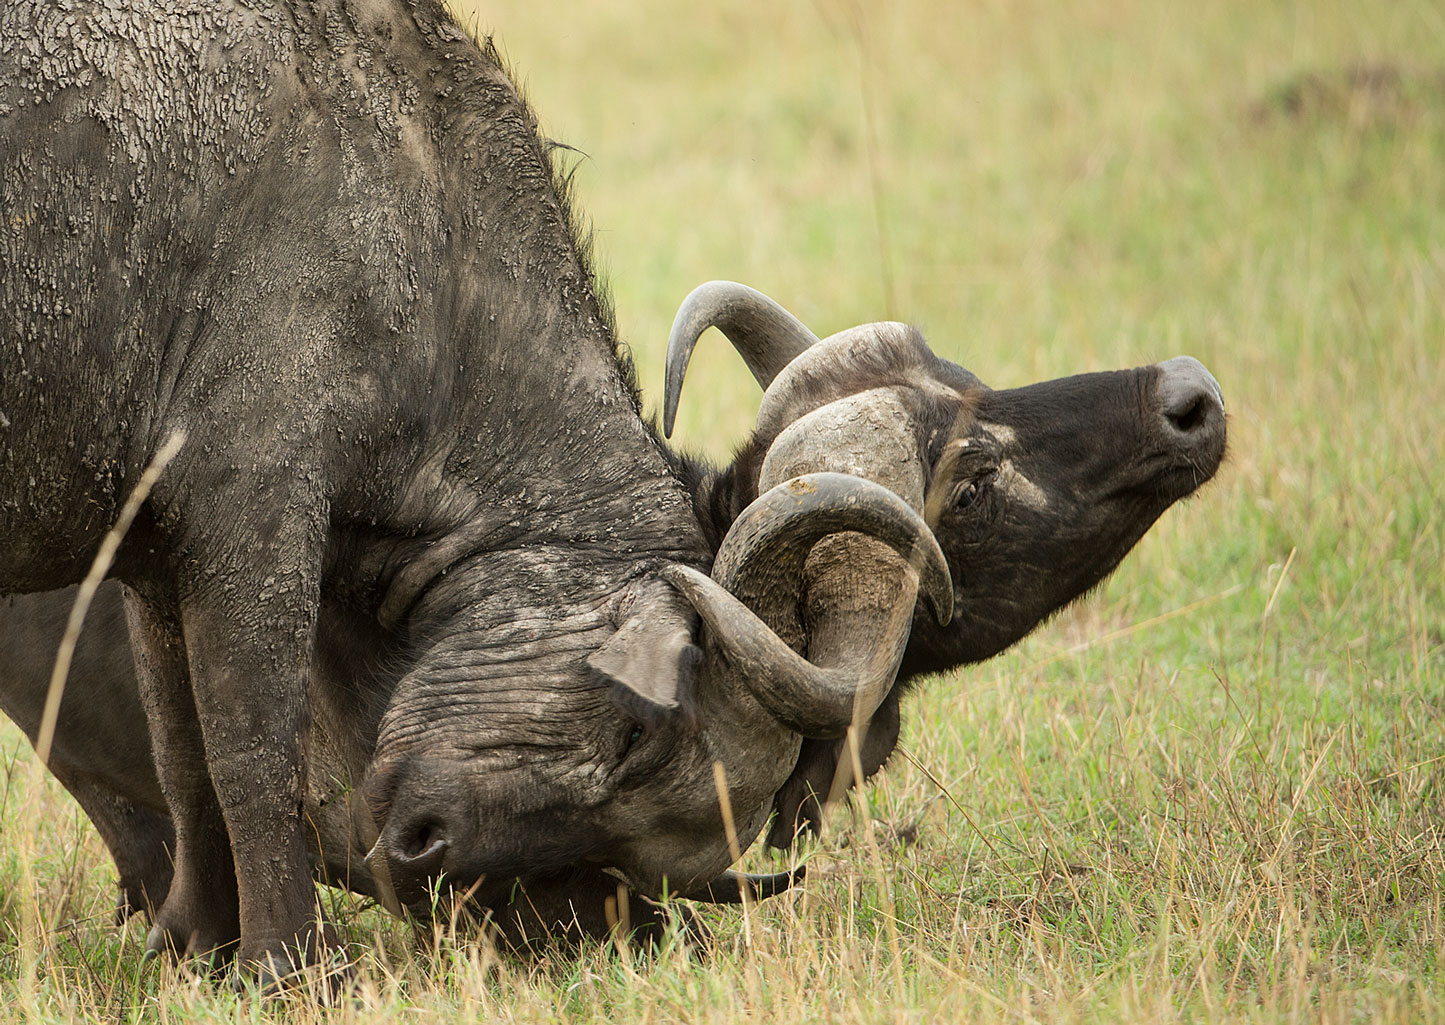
(1035, 493)
(323, 242)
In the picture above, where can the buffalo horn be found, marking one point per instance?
(735, 887)
(882, 354)
(786, 522)
(856, 640)
(767, 336)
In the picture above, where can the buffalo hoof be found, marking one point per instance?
(141, 896)
(196, 956)
(316, 967)
(201, 940)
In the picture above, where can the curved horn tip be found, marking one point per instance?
(694, 316)
(670, 394)
(765, 334)
(818, 696)
(940, 602)
(736, 887)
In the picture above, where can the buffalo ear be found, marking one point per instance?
(651, 658)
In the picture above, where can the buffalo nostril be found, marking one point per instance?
(1189, 396)
(1189, 418)
(422, 848)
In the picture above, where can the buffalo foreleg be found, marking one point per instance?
(249, 620)
(200, 913)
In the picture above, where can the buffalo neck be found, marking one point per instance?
(719, 494)
(511, 412)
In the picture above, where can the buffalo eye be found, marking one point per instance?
(967, 492)
(633, 736)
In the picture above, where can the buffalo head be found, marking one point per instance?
(1035, 493)
(687, 706)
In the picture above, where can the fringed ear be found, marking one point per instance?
(651, 659)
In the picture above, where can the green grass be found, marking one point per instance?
(1215, 790)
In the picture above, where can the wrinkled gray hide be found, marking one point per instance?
(323, 244)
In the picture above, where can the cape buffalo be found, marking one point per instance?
(323, 242)
(1035, 494)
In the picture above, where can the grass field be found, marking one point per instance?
(1214, 791)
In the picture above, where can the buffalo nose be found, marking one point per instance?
(415, 850)
(1190, 400)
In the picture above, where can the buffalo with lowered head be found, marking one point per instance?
(1035, 493)
(324, 245)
